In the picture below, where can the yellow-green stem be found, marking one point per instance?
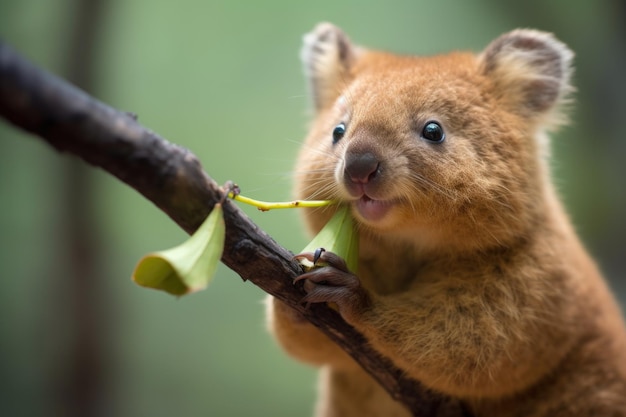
(267, 205)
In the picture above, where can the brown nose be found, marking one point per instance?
(361, 168)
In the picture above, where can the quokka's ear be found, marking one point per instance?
(531, 71)
(327, 55)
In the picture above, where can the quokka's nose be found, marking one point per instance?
(361, 168)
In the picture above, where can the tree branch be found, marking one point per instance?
(173, 179)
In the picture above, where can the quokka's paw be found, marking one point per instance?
(333, 283)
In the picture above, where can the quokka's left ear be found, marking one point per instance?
(327, 55)
(531, 71)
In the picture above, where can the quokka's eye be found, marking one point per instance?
(338, 132)
(433, 132)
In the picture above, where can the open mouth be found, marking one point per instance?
(372, 210)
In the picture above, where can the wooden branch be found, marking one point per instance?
(173, 179)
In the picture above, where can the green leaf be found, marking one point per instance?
(339, 236)
(189, 267)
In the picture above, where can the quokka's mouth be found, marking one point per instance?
(372, 210)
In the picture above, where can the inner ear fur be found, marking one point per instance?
(531, 70)
(327, 55)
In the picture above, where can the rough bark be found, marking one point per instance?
(173, 179)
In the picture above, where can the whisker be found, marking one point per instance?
(428, 184)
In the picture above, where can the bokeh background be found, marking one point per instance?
(223, 78)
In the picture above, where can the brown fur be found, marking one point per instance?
(475, 282)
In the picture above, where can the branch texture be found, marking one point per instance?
(173, 179)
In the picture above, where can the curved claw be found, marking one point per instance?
(318, 253)
(321, 254)
(304, 255)
(331, 259)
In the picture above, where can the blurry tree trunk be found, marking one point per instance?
(80, 385)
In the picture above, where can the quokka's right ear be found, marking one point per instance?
(532, 72)
(327, 55)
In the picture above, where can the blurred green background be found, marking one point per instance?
(222, 78)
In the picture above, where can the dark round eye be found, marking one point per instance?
(433, 132)
(338, 132)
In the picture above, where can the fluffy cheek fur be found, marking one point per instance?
(482, 203)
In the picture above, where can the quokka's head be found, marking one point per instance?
(448, 149)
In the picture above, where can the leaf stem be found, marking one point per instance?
(267, 205)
